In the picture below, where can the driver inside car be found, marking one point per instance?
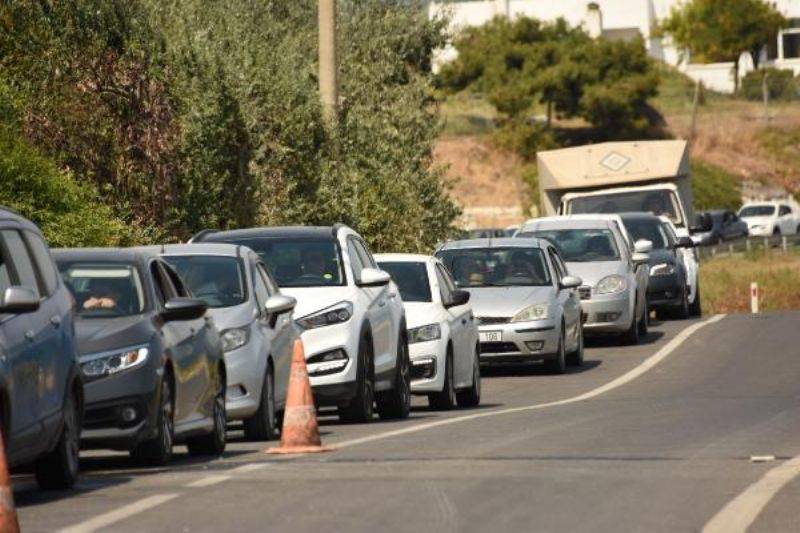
(103, 296)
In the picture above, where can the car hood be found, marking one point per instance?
(506, 301)
(758, 221)
(313, 299)
(421, 313)
(593, 272)
(103, 334)
(656, 257)
(232, 317)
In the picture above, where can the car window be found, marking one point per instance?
(21, 259)
(411, 279)
(444, 289)
(103, 289)
(260, 288)
(215, 279)
(366, 258)
(582, 245)
(5, 272)
(647, 229)
(784, 210)
(272, 288)
(163, 285)
(497, 266)
(757, 211)
(560, 270)
(44, 263)
(177, 284)
(355, 259)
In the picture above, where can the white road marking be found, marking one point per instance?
(740, 513)
(112, 517)
(249, 467)
(629, 376)
(208, 481)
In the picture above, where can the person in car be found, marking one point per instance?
(520, 267)
(103, 296)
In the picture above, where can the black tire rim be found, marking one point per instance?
(71, 439)
(368, 390)
(167, 419)
(405, 374)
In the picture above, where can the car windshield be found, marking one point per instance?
(657, 202)
(104, 289)
(300, 262)
(497, 267)
(411, 279)
(757, 211)
(650, 230)
(581, 245)
(217, 280)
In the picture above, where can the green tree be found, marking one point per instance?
(720, 30)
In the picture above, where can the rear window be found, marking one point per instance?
(217, 280)
(411, 279)
(581, 245)
(104, 290)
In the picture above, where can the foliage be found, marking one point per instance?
(781, 85)
(720, 30)
(714, 188)
(525, 63)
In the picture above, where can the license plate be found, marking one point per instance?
(491, 336)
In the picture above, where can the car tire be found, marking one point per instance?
(576, 358)
(471, 397)
(396, 403)
(263, 424)
(696, 308)
(682, 311)
(158, 451)
(631, 336)
(446, 398)
(644, 321)
(361, 407)
(58, 469)
(213, 444)
(559, 364)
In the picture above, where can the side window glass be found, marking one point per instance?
(260, 289)
(557, 273)
(177, 283)
(5, 271)
(562, 267)
(366, 258)
(355, 260)
(23, 265)
(444, 289)
(270, 284)
(47, 269)
(160, 296)
(784, 211)
(448, 279)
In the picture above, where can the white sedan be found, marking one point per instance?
(442, 333)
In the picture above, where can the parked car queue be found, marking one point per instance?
(141, 349)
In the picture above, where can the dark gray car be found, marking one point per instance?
(150, 357)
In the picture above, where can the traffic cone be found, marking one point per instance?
(300, 433)
(8, 513)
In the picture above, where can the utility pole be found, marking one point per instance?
(328, 88)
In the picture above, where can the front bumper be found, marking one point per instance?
(760, 231)
(108, 400)
(607, 313)
(665, 291)
(339, 386)
(428, 361)
(245, 368)
(520, 342)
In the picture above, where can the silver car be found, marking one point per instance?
(256, 327)
(614, 290)
(526, 305)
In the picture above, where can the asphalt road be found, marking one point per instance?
(656, 437)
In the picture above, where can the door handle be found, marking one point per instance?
(30, 335)
(55, 320)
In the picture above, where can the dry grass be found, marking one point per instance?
(725, 282)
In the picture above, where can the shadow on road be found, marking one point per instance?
(28, 494)
(533, 369)
(613, 341)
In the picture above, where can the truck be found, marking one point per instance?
(619, 177)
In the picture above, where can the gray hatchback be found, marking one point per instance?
(255, 323)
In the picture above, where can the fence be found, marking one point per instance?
(774, 244)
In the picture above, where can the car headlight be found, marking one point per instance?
(234, 338)
(335, 314)
(611, 284)
(100, 365)
(532, 312)
(430, 332)
(662, 269)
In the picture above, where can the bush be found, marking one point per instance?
(781, 85)
(715, 188)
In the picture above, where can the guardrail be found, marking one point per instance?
(774, 244)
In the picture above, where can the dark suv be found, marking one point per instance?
(41, 393)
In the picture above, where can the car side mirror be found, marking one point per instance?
(570, 282)
(18, 300)
(643, 246)
(457, 297)
(277, 305)
(373, 277)
(685, 242)
(640, 258)
(178, 309)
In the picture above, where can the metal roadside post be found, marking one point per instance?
(754, 298)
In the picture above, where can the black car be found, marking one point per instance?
(41, 394)
(719, 225)
(150, 357)
(667, 290)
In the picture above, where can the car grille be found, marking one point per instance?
(585, 292)
(487, 320)
(498, 347)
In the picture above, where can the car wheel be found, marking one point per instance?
(263, 425)
(396, 403)
(158, 451)
(576, 357)
(682, 312)
(696, 309)
(471, 397)
(559, 364)
(361, 408)
(631, 336)
(214, 442)
(644, 322)
(446, 399)
(58, 469)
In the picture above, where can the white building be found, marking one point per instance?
(626, 19)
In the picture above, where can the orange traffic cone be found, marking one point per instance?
(8, 513)
(300, 433)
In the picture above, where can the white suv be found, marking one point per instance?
(351, 315)
(771, 218)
